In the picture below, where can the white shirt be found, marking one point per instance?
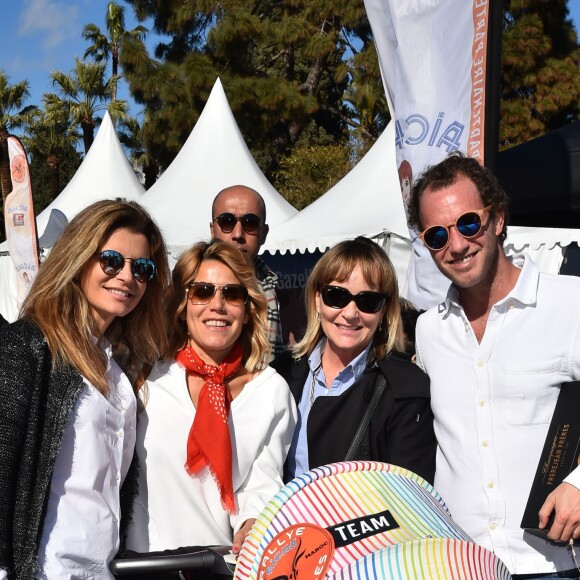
(80, 535)
(493, 403)
(174, 509)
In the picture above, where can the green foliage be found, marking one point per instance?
(109, 45)
(40, 176)
(282, 65)
(82, 94)
(540, 70)
(310, 171)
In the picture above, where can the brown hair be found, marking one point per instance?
(449, 171)
(254, 337)
(57, 304)
(338, 264)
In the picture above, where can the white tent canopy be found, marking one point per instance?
(214, 156)
(105, 173)
(367, 201)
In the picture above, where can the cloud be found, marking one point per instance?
(55, 22)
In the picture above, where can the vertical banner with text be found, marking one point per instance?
(433, 58)
(19, 219)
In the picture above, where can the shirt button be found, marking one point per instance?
(118, 477)
(482, 403)
(492, 527)
(479, 363)
(490, 485)
(120, 433)
(485, 443)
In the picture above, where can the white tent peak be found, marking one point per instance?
(105, 173)
(367, 201)
(214, 156)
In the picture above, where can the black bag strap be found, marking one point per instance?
(380, 385)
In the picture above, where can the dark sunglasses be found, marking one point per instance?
(112, 262)
(467, 224)
(227, 222)
(367, 301)
(203, 292)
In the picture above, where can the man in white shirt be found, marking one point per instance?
(496, 351)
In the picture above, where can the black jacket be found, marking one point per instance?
(400, 431)
(36, 400)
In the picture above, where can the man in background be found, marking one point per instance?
(239, 217)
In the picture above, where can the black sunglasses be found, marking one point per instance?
(203, 292)
(112, 262)
(367, 301)
(467, 224)
(227, 222)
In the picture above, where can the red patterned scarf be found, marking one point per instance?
(209, 444)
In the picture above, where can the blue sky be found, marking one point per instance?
(40, 36)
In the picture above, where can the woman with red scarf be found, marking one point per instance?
(217, 421)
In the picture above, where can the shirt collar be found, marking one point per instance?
(357, 365)
(525, 292)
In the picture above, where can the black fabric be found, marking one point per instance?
(401, 430)
(36, 400)
(542, 179)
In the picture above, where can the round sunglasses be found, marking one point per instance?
(367, 301)
(112, 262)
(467, 224)
(227, 222)
(203, 292)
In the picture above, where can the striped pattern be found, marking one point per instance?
(428, 559)
(339, 492)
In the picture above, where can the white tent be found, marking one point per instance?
(213, 157)
(105, 173)
(367, 201)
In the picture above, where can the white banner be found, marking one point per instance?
(432, 55)
(19, 219)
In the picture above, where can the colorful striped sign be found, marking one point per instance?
(441, 558)
(367, 506)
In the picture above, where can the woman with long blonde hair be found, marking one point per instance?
(349, 365)
(217, 421)
(67, 410)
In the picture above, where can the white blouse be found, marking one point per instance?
(174, 509)
(80, 535)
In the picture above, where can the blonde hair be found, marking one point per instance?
(57, 304)
(337, 265)
(254, 336)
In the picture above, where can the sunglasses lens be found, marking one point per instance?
(143, 269)
(335, 296)
(370, 302)
(201, 293)
(250, 223)
(436, 237)
(469, 224)
(235, 294)
(226, 222)
(111, 262)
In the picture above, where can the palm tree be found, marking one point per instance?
(111, 44)
(51, 138)
(131, 137)
(84, 93)
(12, 113)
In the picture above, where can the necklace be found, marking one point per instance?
(313, 381)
